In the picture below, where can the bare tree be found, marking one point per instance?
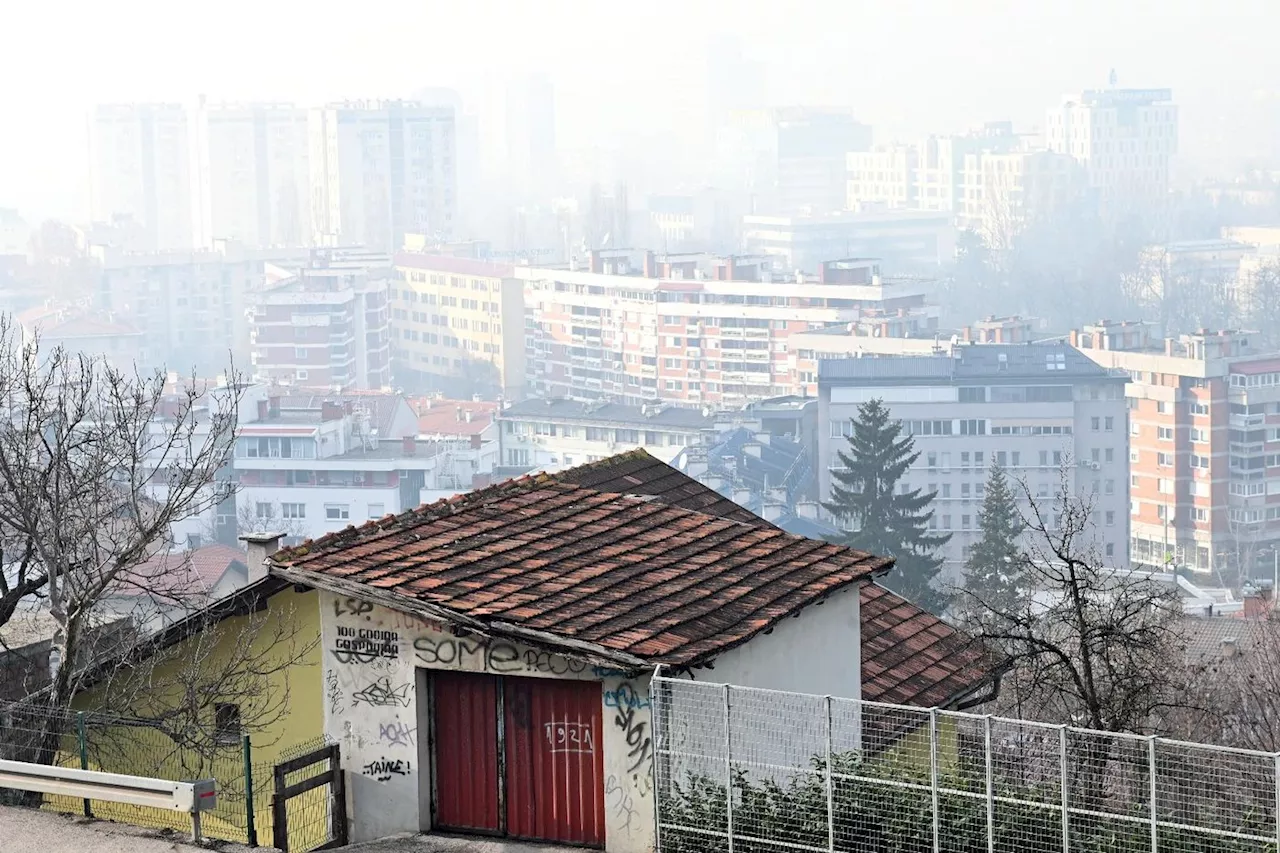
(1237, 691)
(96, 467)
(1090, 645)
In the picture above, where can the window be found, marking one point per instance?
(293, 510)
(1109, 487)
(337, 512)
(946, 490)
(1109, 424)
(1165, 433)
(946, 522)
(1044, 458)
(377, 510)
(1057, 457)
(1199, 434)
(1002, 458)
(226, 724)
(1111, 549)
(1111, 518)
(964, 522)
(1095, 455)
(1165, 486)
(1134, 456)
(263, 510)
(1198, 514)
(964, 459)
(1110, 454)
(1199, 409)
(1095, 423)
(946, 461)
(1164, 460)
(979, 458)
(1017, 458)
(1133, 428)
(300, 353)
(932, 460)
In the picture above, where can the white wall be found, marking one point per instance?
(387, 730)
(819, 651)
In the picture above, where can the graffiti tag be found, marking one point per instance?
(365, 645)
(380, 694)
(396, 733)
(620, 801)
(640, 745)
(333, 691)
(497, 656)
(383, 769)
(352, 606)
(625, 696)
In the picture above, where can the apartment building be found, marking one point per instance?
(685, 328)
(253, 175)
(1124, 139)
(381, 170)
(78, 328)
(190, 305)
(325, 324)
(1204, 456)
(912, 331)
(549, 434)
(1039, 410)
(457, 326)
(905, 241)
(311, 465)
(140, 170)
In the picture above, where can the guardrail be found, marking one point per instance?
(190, 797)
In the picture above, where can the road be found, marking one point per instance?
(31, 831)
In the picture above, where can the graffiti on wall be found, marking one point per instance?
(625, 696)
(365, 645)
(396, 733)
(384, 769)
(623, 805)
(333, 691)
(635, 728)
(380, 694)
(496, 656)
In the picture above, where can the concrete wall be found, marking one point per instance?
(819, 651)
(375, 706)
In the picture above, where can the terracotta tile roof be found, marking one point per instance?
(909, 656)
(623, 578)
(186, 572)
(636, 472)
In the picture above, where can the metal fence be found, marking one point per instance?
(742, 770)
(115, 744)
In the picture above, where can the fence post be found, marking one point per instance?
(991, 785)
(933, 779)
(279, 812)
(1278, 801)
(728, 770)
(1066, 789)
(251, 829)
(831, 796)
(84, 755)
(339, 794)
(1154, 792)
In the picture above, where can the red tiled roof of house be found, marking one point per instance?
(635, 581)
(188, 572)
(909, 656)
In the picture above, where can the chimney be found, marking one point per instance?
(650, 267)
(262, 410)
(331, 411)
(807, 509)
(1075, 338)
(467, 416)
(1229, 648)
(597, 262)
(1168, 346)
(476, 441)
(410, 445)
(273, 407)
(457, 414)
(260, 546)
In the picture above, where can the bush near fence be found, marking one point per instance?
(916, 781)
(118, 745)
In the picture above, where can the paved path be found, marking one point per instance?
(412, 843)
(32, 831)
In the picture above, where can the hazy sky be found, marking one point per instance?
(908, 66)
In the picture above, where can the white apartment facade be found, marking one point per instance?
(253, 178)
(1124, 138)
(554, 434)
(381, 170)
(687, 329)
(904, 241)
(307, 466)
(1038, 410)
(140, 170)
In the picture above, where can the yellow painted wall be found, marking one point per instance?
(148, 752)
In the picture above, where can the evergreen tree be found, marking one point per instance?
(881, 518)
(991, 572)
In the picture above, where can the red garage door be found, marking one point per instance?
(551, 740)
(555, 760)
(466, 751)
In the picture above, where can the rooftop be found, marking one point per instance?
(1052, 361)
(909, 656)
(452, 264)
(574, 410)
(615, 577)
(452, 417)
